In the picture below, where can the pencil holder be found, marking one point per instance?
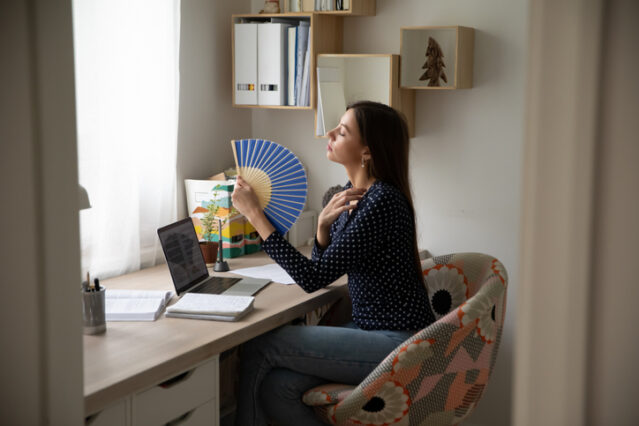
(93, 311)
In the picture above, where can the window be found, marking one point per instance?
(127, 92)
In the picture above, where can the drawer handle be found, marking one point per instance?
(183, 418)
(90, 419)
(175, 380)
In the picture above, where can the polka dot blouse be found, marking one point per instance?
(374, 246)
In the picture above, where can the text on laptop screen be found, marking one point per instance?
(183, 254)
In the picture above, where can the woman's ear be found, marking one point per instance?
(366, 154)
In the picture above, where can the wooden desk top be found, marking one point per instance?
(132, 356)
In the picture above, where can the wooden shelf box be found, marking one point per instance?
(347, 78)
(455, 50)
(356, 7)
(326, 33)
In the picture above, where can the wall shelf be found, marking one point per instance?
(357, 8)
(326, 33)
(452, 44)
(376, 77)
(346, 78)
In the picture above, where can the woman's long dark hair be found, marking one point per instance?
(385, 133)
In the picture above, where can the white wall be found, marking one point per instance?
(207, 121)
(466, 156)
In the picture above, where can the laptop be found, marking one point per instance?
(188, 269)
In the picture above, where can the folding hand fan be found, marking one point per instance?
(276, 175)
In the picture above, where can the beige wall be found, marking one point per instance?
(467, 152)
(207, 121)
(577, 342)
(20, 359)
(613, 337)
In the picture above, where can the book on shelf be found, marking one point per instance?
(245, 63)
(218, 307)
(272, 60)
(306, 81)
(331, 5)
(292, 56)
(295, 5)
(135, 305)
(302, 44)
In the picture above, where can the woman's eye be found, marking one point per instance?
(341, 134)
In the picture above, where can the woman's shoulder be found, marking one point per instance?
(386, 197)
(381, 190)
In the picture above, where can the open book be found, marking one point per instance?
(135, 305)
(218, 307)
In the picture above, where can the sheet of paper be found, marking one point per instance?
(273, 272)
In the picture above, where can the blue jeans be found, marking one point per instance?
(276, 368)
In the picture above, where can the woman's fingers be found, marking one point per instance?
(348, 195)
(347, 207)
(346, 200)
(339, 203)
(352, 197)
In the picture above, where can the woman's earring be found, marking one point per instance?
(363, 163)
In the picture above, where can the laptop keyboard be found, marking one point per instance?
(215, 285)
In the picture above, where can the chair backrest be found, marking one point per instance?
(438, 375)
(452, 280)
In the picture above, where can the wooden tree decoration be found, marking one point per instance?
(434, 64)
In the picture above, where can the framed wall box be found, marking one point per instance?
(437, 57)
(346, 78)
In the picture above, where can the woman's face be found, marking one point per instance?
(345, 143)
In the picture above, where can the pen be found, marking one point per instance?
(89, 284)
(97, 284)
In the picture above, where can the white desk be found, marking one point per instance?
(133, 357)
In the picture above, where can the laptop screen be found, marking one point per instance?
(183, 255)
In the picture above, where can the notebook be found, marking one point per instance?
(188, 269)
(135, 305)
(219, 307)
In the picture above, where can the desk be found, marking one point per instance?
(133, 356)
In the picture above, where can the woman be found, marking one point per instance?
(366, 231)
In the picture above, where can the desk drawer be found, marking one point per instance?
(114, 415)
(174, 397)
(203, 415)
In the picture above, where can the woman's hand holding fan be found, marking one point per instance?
(277, 178)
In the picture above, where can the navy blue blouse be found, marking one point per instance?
(374, 246)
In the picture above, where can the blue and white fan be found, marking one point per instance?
(276, 175)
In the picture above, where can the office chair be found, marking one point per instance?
(437, 376)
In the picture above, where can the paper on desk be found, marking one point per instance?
(273, 272)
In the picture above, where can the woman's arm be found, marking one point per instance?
(350, 247)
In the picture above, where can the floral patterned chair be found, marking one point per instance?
(437, 376)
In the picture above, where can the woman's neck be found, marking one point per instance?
(359, 178)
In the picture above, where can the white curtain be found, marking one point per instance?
(127, 91)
